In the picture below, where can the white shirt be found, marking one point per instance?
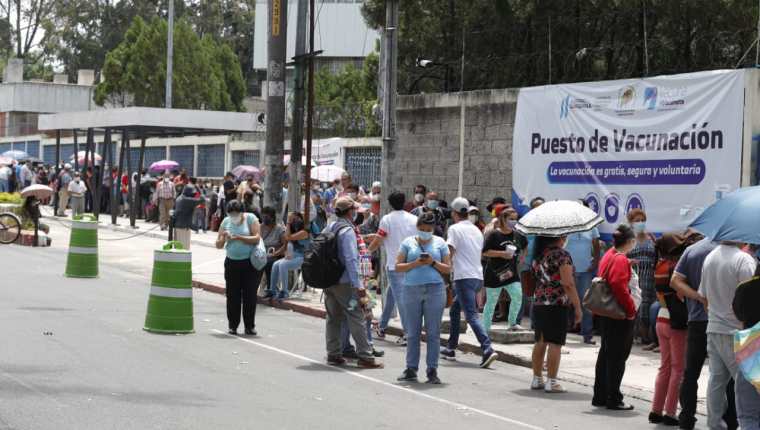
(467, 241)
(394, 228)
(724, 269)
(5, 172)
(77, 188)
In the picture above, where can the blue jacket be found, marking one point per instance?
(348, 252)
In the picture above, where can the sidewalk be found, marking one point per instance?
(133, 250)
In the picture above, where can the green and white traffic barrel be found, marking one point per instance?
(82, 260)
(170, 305)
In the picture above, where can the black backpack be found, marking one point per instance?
(321, 266)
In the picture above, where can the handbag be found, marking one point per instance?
(259, 255)
(600, 300)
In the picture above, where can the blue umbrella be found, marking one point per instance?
(16, 154)
(733, 218)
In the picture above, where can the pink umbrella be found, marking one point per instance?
(5, 161)
(244, 171)
(160, 166)
(37, 190)
(92, 156)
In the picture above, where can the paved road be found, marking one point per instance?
(75, 357)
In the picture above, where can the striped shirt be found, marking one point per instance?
(165, 190)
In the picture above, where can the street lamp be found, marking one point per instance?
(432, 65)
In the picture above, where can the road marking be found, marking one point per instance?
(458, 406)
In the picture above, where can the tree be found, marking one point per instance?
(344, 101)
(507, 41)
(206, 73)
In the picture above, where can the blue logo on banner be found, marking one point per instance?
(593, 202)
(564, 108)
(612, 208)
(634, 202)
(650, 98)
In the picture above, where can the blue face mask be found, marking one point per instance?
(432, 204)
(639, 227)
(424, 235)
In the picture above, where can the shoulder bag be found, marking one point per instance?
(600, 300)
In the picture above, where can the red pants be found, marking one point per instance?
(672, 355)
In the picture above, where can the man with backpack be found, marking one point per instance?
(334, 259)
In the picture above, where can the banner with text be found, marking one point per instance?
(670, 145)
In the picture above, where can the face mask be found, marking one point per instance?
(424, 235)
(267, 219)
(473, 219)
(639, 227)
(76, 180)
(511, 224)
(339, 188)
(366, 205)
(236, 218)
(352, 196)
(376, 198)
(432, 204)
(419, 198)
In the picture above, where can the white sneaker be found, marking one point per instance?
(516, 327)
(552, 386)
(538, 383)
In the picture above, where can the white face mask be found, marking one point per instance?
(419, 198)
(352, 196)
(473, 219)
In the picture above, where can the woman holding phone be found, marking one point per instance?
(238, 234)
(424, 259)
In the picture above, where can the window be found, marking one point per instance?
(364, 165)
(67, 151)
(5, 147)
(247, 158)
(184, 155)
(33, 148)
(210, 161)
(19, 146)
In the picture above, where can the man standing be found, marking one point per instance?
(5, 175)
(420, 191)
(165, 194)
(394, 228)
(63, 189)
(76, 194)
(466, 244)
(724, 269)
(685, 281)
(183, 215)
(342, 301)
(432, 204)
(25, 176)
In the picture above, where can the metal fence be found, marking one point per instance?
(185, 156)
(364, 165)
(210, 161)
(247, 158)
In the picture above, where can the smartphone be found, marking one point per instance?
(424, 256)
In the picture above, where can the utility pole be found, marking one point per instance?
(296, 139)
(170, 56)
(390, 57)
(462, 111)
(273, 151)
(310, 113)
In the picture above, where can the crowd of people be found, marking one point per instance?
(682, 294)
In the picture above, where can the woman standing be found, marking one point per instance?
(617, 335)
(672, 320)
(297, 239)
(502, 250)
(238, 234)
(643, 257)
(424, 259)
(555, 291)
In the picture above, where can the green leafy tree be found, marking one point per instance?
(206, 73)
(344, 101)
(507, 41)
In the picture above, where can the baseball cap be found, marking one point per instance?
(472, 209)
(344, 203)
(460, 205)
(494, 202)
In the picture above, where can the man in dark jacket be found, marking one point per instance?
(183, 214)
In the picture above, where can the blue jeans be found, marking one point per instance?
(424, 301)
(465, 290)
(582, 284)
(280, 270)
(747, 403)
(393, 297)
(4, 186)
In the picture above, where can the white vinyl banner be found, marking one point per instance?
(670, 145)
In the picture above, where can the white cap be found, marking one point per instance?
(377, 184)
(460, 205)
(67, 166)
(473, 209)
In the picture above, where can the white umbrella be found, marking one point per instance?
(37, 190)
(558, 218)
(326, 173)
(81, 156)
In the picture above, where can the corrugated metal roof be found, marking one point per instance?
(340, 31)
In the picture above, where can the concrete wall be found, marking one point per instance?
(44, 97)
(428, 128)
